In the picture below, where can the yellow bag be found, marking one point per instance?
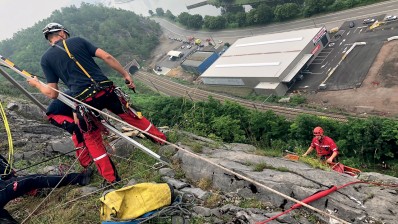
(133, 201)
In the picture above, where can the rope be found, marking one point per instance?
(10, 143)
(176, 208)
(91, 193)
(188, 152)
(43, 161)
(63, 177)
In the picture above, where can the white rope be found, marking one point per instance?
(202, 158)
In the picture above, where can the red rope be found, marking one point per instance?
(319, 195)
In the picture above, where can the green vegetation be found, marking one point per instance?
(363, 143)
(252, 203)
(122, 33)
(262, 12)
(213, 201)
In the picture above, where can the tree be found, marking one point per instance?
(228, 129)
(312, 7)
(286, 11)
(251, 17)
(151, 12)
(159, 11)
(214, 22)
(240, 18)
(195, 21)
(170, 15)
(99, 24)
(183, 18)
(265, 14)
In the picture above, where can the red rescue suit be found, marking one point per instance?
(324, 147)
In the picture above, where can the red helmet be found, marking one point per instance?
(318, 131)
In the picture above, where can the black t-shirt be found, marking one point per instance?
(56, 65)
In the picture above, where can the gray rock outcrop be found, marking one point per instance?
(356, 203)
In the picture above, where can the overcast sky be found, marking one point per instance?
(20, 14)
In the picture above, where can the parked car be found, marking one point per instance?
(390, 18)
(352, 24)
(368, 21)
(189, 46)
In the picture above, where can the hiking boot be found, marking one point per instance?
(86, 176)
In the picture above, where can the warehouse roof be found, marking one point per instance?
(261, 56)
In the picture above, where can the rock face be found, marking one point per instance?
(356, 203)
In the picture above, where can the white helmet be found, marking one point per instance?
(54, 27)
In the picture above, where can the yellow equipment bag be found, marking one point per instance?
(133, 201)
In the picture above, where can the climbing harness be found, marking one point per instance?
(97, 87)
(70, 102)
(124, 100)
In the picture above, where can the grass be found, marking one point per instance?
(67, 204)
(213, 201)
(253, 203)
(205, 184)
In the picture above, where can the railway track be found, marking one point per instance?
(168, 87)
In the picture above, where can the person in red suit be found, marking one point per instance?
(325, 147)
(71, 60)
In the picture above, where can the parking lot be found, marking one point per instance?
(184, 46)
(343, 73)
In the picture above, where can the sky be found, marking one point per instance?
(20, 14)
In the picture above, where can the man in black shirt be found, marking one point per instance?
(72, 61)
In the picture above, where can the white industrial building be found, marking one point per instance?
(268, 63)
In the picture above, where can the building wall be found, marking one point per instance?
(315, 45)
(280, 90)
(191, 69)
(310, 48)
(207, 63)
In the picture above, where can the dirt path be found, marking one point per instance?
(378, 93)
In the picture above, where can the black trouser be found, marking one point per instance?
(18, 186)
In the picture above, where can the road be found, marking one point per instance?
(328, 20)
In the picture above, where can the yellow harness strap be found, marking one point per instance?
(74, 59)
